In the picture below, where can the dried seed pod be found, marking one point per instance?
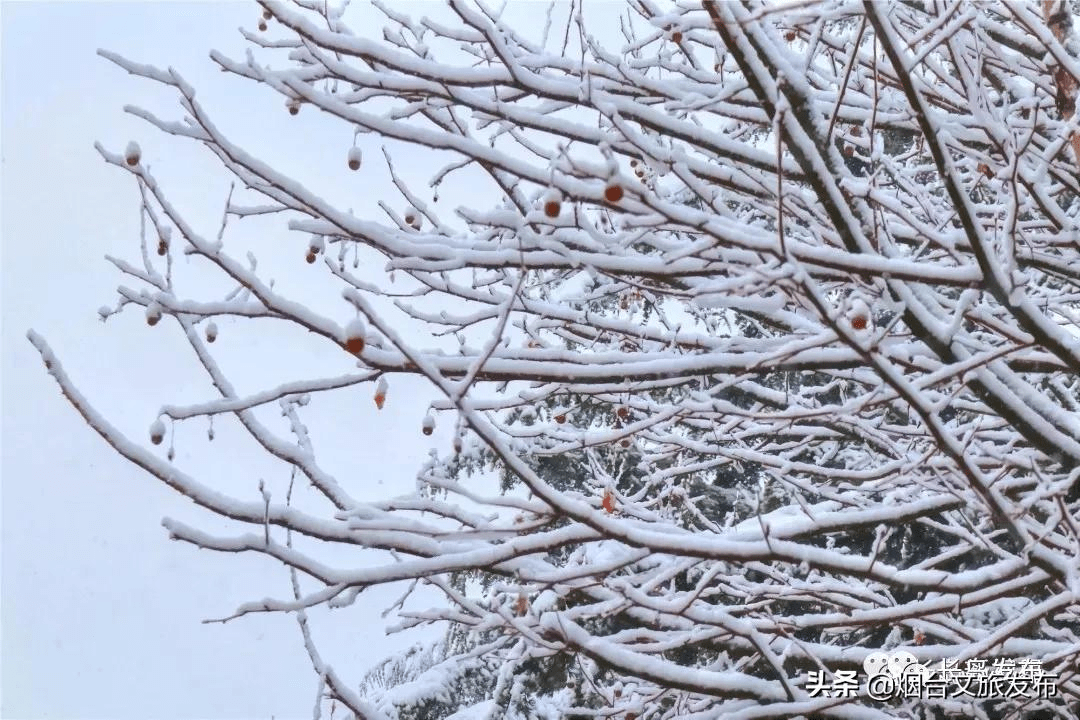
(355, 157)
(428, 426)
(211, 331)
(132, 153)
(355, 335)
(157, 431)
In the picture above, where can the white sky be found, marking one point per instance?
(101, 613)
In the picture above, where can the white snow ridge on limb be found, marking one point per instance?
(755, 334)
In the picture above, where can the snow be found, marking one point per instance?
(791, 380)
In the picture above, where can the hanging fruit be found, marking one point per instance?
(859, 315)
(429, 424)
(355, 335)
(132, 154)
(293, 105)
(412, 218)
(211, 331)
(163, 241)
(153, 313)
(157, 431)
(380, 393)
(613, 192)
(355, 156)
(552, 203)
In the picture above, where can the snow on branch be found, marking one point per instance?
(764, 320)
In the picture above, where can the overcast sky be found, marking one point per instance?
(101, 613)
